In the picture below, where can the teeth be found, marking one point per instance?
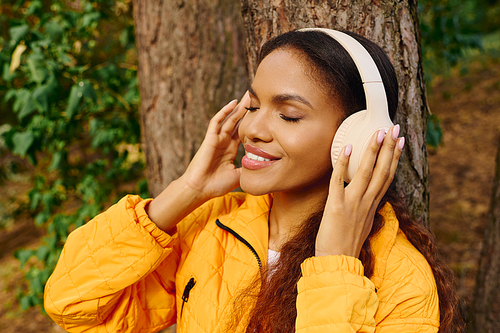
(254, 157)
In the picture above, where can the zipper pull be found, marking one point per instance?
(185, 294)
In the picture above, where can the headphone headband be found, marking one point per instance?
(363, 60)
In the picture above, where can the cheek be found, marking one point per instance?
(312, 148)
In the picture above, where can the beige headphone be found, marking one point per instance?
(358, 128)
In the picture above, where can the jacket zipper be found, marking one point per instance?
(185, 294)
(241, 239)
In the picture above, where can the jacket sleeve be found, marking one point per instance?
(115, 274)
(335, 296)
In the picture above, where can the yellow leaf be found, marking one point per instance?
(16, 57)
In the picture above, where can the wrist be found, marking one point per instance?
(173, 204)
(190, 191)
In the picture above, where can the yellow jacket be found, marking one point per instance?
(120, 273)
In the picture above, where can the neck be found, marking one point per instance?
(290, 209)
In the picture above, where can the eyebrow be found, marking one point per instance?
(285, 97)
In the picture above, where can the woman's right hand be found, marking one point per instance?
(210, 174)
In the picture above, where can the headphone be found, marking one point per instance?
(358, 128)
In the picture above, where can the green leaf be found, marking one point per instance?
(23, 255)
(37, 67)
(75, 96)
(434, 134)
(22, 142)
(6, 76)
(28, 107)
(42, 252)
(41, 218)
(18, 32)
(124, 37)
(21, 97)
(10, 93)
(35, 198)
(143, 189)
(41, 94)
(34, 6)
(89, 18)
(56, 160)
(53, 29)
(25, 302)
(48, 201)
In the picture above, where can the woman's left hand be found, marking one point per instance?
(349, 212)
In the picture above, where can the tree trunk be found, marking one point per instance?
(487, 293)
(191, 63)
(393, 26)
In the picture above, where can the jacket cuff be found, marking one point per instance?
(136, 206)
(318, 265)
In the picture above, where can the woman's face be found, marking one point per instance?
(289, 128)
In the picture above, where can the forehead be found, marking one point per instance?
(288, 71)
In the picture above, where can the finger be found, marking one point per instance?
(363, 176)
(338, 174)
(228, 124)
(400, 143)
(245, 102)
(385, 167)
(231, 150)
(219, 117)
(232, 120)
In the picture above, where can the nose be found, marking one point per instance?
(256, 126)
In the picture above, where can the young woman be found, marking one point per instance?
(299, 251)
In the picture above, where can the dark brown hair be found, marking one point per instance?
(275, 307)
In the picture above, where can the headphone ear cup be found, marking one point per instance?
(347, 126)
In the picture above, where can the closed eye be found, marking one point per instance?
(292, 120)
(252, 109)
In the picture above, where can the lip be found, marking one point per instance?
(256, 165)
(259, 152)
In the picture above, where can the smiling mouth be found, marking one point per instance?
(254, 157)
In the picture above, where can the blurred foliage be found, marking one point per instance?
(449, 30)
(70, 98)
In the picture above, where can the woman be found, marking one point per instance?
(299, 251)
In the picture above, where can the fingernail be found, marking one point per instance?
(348, 150)
(380, 136)
(401, 143)
(395, 132)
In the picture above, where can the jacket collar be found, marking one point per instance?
(250, 221)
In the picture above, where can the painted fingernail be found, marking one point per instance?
(401, 143)
(380, 136)
(348, 150)
(395, 132)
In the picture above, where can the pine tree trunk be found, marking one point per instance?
(191, 63)
(393, 26)
(487, 293)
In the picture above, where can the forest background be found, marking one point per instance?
(70, 133)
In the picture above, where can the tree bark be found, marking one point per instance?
(393, 26)
(487, 293)
(191, 63)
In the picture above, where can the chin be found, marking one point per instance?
(253, 189)
(254, 185)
